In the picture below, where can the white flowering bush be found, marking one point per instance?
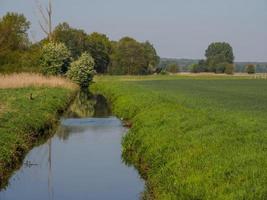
(55, 59)
(82, 70)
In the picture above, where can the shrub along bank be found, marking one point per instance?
(194, 139)
(25, 115)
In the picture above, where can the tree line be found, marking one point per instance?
(219, 59)
(126, 56)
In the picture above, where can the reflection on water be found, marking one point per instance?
(81, 161)
(86, 105)
(83, 106)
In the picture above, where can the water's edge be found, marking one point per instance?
(39, 138)
(129, 156)
(78, 112)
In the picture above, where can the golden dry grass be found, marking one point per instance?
(22, 80)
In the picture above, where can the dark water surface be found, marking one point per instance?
(81, 161)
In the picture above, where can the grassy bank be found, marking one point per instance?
(194, 137)
(29, 106)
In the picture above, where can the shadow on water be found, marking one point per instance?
(81, 161)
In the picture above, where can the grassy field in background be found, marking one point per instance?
(194, 137)
(27, 112)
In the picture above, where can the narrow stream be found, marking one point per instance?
(81, 161)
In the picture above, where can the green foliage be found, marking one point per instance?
(15, 47)
(226, 68)
(128, 57)
(74, 39)
(132, 57)
(195, 68)
(23, 120)
(173, 68)
(251, 69)
(82, 70)
(194, 138)
(21, 61)
(55, 59)
(13, 32)
(77, 41)
(220, 68)
(99, 47)
(151, 56)
(198, 67)
(164, 72)
(260, 67)
(182, 63)
(9, 62)
(229, 69)
(219, 52)
(220, 59)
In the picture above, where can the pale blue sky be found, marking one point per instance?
(177, 28)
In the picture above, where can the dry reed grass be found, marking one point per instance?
(22, 80)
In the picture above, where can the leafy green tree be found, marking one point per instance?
(128, 57)
(219, 52)
(99, 47)
(29, 60)
(55, 59)
(251, 69)
(197, 67)
(173, 68)
(151, 56)
(194, 68)
(229, 69)
(14, 43)
(202, 62)
(220, 67)
(13, 32)
(74, 39)
(82, 70)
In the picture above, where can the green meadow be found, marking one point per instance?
(194, 137)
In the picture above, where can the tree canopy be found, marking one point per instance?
(13, 32)
(128, 57)
(17, 53)
(55, 59)
(99, 46)
(219, 52)
(77, 41)
(132, 57)
(82, 70)
(220, 59)
(251, 69)
(74, 39)
(14, 43)
(151, 56)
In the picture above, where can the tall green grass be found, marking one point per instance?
(195, 138)
(23, 119)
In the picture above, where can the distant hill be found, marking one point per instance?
(184, 63)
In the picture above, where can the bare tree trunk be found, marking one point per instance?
(49, 11)
(46, 22)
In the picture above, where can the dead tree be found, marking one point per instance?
(46, 15)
